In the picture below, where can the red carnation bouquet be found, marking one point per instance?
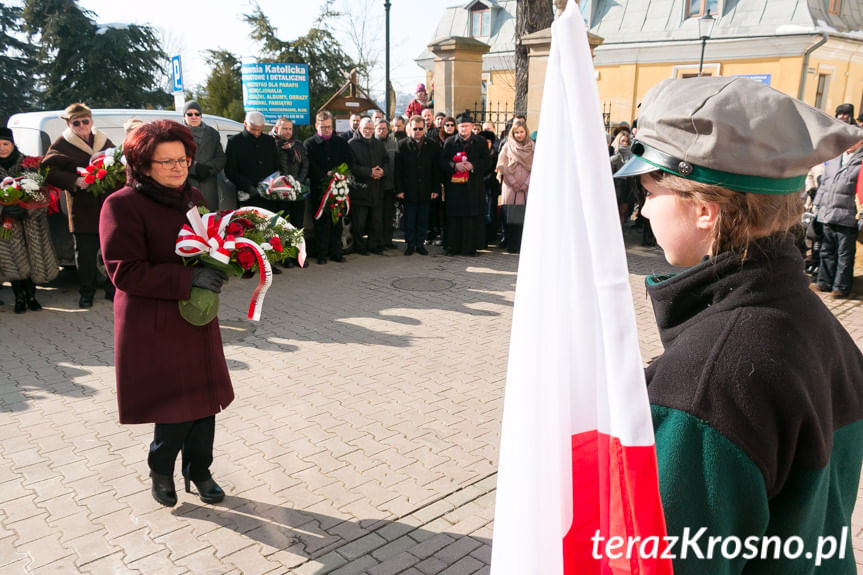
(106, 172)
(240, 242)
(460, 177)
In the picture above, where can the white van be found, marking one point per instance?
(34, 132)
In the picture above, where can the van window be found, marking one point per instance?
(31, 142)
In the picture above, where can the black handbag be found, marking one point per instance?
(513, 214)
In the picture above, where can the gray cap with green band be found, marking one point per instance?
(735, 133)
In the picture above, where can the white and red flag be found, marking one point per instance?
(577, 454)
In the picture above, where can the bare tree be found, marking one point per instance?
(363, 23)
(530, 16)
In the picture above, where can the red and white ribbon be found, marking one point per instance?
(265, 278)
(205, 235)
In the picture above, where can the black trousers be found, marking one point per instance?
(416, 223)
(86, 253)
(328, 237)
(366, 220)
(388, 212)
(193, 438)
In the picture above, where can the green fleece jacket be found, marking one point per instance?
(757, 405)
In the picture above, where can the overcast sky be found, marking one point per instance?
(192, 26)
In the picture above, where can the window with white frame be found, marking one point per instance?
(698, 8)
(480, 20)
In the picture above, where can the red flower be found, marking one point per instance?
(243, 222)
(276, 242)
(234, 229)
(99, 164)
(101, 174)
(91, 169)
(89, 179)
(31, 162)
(246, 259)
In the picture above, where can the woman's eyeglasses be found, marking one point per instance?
(193, 114)
(84, 122)
(171, 164)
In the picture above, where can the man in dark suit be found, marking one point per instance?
(465, 192)
(418, 182)
(252, 156)
(353, 130)
(371, 164)
(325, 153)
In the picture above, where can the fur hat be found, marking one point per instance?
(76, 110)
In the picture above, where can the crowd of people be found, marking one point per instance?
(449, 180)
(448, 176)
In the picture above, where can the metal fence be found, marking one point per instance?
(500, 115)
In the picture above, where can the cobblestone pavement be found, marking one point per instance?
(363, 438)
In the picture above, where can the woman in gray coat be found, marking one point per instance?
(210, 158)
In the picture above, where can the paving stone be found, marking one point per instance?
(366, 423)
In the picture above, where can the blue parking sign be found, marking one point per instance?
(177, 73)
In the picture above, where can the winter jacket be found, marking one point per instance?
(757, 406)
(168, 370)
(418, 170)
(835, 196)
(250, 160)
(63, 158)
(208, 162)
(368, 153)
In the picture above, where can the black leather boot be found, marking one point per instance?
(31, 297)
(20, 296)
(163, 489)
(208, 490)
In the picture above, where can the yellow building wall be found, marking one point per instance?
(500, 89)
(622, 87)
(845, 83)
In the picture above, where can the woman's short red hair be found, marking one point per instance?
(140, 144)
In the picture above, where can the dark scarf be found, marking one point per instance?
(179, 199)
(10, 161)
(290, 145)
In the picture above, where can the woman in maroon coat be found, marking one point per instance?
(169, 372)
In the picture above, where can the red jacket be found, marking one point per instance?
(168, 371)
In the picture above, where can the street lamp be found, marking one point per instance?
(705, 29)
(387, 79)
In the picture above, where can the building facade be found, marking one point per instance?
(811, 49)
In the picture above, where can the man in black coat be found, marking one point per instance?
(371, 164)
(325, 153)
(418, 182)
(465, 191)
(252, 156)
(353, 130)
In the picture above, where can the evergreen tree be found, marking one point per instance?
(16, 87)
(223, 92)
(102, 66)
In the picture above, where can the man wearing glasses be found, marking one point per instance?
(325, 153)
(72, 150)
(209, 158)
(418, 182)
